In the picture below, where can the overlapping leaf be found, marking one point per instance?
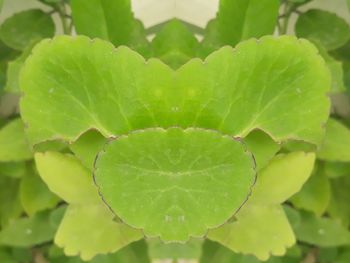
(179, 182)
(68, 178)
(272, 233)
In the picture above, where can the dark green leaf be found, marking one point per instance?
(324, 27)
(25, 28)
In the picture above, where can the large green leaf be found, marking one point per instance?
(259, 230)
(264, 84)
(67, 177)
(239, 20)
(27, 232)
(174, 44)
(14, 144)
(287, 171)
(88, 230)
(174, 183)
(109, 20)
(336, 143)
(24, 28)
(319, 231)
(324, 27)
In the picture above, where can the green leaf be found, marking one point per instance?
(336, 169)
(13, 169)
(97, 234)
(319, 231)
(174, 183)
(324, 27)
(214, 252)
(27, 232)
(10, 206)
(336, 69)
(315, 194)
(69, 85)
(262, 147)
(25, 28)
(87, 147)
(34, 194)
(335, 146)
(67, 177)
(259, 230)
(190, 250)
(339, 205)
(239, 20)
(13, 70)
(112, 21)
(175, 44)
(14, 145)
(287, 171)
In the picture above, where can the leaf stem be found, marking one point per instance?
(62, 12)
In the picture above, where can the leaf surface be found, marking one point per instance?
(13, 141)
(70, 85)
(175, 44)
(97, 234)
(67, 177)
(239, 20)
(324, 27)
(259, 230)
(282, 178)
(335, 146)
(27, 232)
(174, 183)
(25, 28)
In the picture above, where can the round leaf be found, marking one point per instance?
(26, 27)
(324, 27)
(174, 183)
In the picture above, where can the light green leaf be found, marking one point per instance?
(315, 194)
(259, 230)
(88, 230)
(286, 171)
(320, 231)
(25, 28)
(262, 147)
(69, 85)
(27, 232)
(336, 143)
(324, 27)
(67, 177)
(175, 44)
(87, 147)
(239, 20)
(112, 21)
(160, 250)
(14, 145)
(34, 194)
(174, 183)
(339, 205)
